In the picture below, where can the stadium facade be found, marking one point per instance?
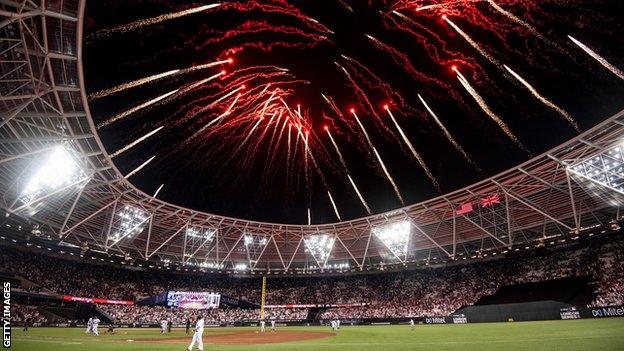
(56, 176)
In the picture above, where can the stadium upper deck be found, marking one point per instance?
(55, 173)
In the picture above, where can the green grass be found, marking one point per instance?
(587, 334)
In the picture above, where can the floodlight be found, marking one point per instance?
(395, 236)
(199, 233)
(320, 247)
(57, 170)
(131, 222)
(606, 169)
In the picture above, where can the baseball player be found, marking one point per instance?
(89, 325)
(94, 327)
(197, 336)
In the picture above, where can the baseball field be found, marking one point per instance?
(586, 334)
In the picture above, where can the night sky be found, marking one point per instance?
(230, 168)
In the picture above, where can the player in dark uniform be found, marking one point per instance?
(111, 328)
(26, 323)
(169, 326)
(188, 325)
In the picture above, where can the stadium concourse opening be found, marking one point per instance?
(333, 175)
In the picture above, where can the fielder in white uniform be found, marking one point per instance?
(338, 324)
(94, 328)
(262, 326)
(412, 324)
(272, 325)
(89, 325)
(197, 336)
(163, 326)
(333, 325)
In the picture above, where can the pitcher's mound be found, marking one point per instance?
(249, 337)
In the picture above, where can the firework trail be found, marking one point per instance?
(214, 103)
(344, 164)
(158, 191)
(484, 106)
(217, 119)
(544, 100)
(523, 23)
(135, 109)
(134, 143)
(334, 205)
(379, 160)
(445, 4)
(155, 77)
(150, 21)
(331, 138)
(448, 134)
(306, 151)
(358, 91)
(332, 105)
(598, 58)
(271, 147)
(240, 146)
(199, 83)
(376, 83)
(394, 186)
(309, 217)
(357, 191)
(472, 42)
(421, 162)
(136, 170)
(357, 119)
(495, 62)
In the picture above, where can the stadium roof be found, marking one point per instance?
(55, 172)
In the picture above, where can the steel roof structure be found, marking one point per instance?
(43, 104)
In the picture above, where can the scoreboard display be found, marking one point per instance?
(193, 300)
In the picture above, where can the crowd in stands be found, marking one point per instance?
(21, 314)
(87, 278)
(410, 293)
(153, 315)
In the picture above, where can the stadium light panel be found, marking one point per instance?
(395, 236)
(58, 169)
(132, 221)
(199, 233)
(606, 169)
(320, 246)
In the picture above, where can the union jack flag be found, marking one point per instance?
(490, 200)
